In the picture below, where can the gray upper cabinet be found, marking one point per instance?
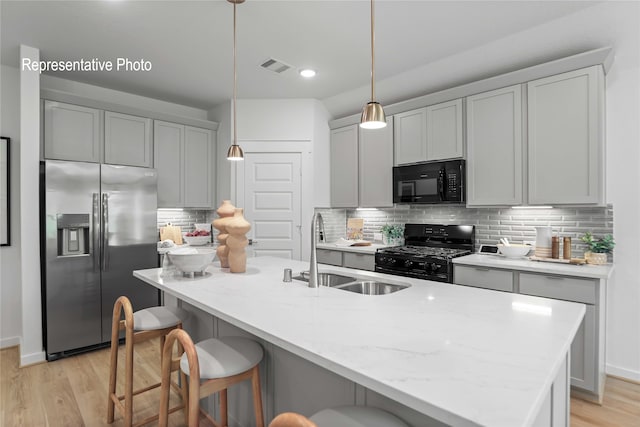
(127, 140)
(444, 131)
(168, 139)
(184, 159)
(198, 169)
(410, 136)
(566, 138)
(344, 167)
(72, 132)
(494, 148)
(376, 166)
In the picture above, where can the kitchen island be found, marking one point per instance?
(458, 355)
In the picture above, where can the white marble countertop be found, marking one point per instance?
(371, 249)
(524, 264)
(462, 355)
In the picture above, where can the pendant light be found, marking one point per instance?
(235, 152)
(372, 114)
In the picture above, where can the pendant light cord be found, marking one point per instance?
(235, 80)
(373, 72)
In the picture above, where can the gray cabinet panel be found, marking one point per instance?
(410, 136)
(72, 132)
(326, 256)
(494, 148)
(444, 130)
(127, 140)
(344, 167)
(584, 368)
(375, 166)
(565, 138)
(481, 277)
(198, 161)
(359, 261)
(559, 287)
(169, 163)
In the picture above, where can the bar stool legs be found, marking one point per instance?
(153, 322)
(218, 363)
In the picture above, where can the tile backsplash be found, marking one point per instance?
(185, 219)
(518, 225)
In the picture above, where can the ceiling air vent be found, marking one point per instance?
(275, 65)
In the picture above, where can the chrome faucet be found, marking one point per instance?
(313, 261)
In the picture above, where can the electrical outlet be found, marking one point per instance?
(377, 237)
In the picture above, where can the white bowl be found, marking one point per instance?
(197, 240)
(192, 262)
(514, 250)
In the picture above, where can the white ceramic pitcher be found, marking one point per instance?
(543, 242)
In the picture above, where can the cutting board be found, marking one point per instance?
(172, 232)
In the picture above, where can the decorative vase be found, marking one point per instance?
(225, 211)
(392, 241)
(237, 228)
(595, 258)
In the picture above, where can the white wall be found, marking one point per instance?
(274, 121)
(10, 281)
(31, 350)
(321, 156)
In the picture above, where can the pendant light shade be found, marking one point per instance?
(372, 114)
(235, 152)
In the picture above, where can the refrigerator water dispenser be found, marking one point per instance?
(73, 234)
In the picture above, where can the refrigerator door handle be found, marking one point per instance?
(105, 231)
(94, 244)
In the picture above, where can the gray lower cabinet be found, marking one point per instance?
(325, 256)
(587, 349)
(72, 132)
(482, 277)
(586, 366)
(360, 261)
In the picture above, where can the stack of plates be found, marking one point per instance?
(542, 252)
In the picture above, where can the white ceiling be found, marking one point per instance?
(190, 42)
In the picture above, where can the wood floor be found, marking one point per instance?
(73, 392)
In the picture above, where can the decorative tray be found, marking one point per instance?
(575, 261)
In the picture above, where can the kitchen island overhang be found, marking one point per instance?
(463, 356)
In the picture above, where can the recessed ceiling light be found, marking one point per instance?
(307, 72)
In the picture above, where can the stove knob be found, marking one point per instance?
(434, 267)
(408, 263)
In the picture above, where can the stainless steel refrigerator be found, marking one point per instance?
(99, 224)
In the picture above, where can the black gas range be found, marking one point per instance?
(428, 251)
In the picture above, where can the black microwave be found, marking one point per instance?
(430, 182)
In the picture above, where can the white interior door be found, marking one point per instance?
(272, 202)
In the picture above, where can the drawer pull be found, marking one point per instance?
(481, 269)
(555, 277)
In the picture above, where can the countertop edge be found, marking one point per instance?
(585, 271)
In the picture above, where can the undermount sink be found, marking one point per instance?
(327, 279)
(370, 287)
(351, 284)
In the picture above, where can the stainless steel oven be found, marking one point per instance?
(430, 182)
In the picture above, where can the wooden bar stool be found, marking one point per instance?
(213, 365)
(140, 326)
(342, 416)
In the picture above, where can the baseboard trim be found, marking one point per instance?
(623, 373)
(9, 342)
(32, 359)
(628, 380)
